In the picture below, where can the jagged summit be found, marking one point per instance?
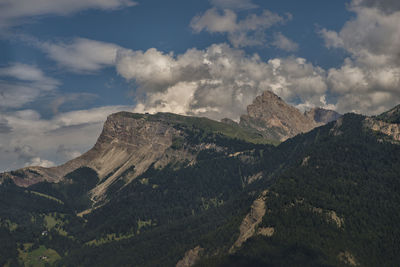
(277, 120)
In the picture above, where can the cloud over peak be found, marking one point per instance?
(217, 82)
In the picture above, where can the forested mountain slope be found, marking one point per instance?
(329, 197)
(337, 205)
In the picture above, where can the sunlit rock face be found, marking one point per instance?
(277, 120)
(127, 146)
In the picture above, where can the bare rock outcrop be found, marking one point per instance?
(251, 221)
(127, 146)
(190, 257)
(348, 258)
(389, 129)
(266, 231)
(330, 216)
(277, 120)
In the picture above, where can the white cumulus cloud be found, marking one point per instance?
(37, 161)
(217, 82)
(369, 80)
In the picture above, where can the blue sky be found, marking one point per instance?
(66, 64)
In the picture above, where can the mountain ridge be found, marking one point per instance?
(322, 198)
(155, 188)
(129, 144)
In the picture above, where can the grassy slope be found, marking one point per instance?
(38, 257)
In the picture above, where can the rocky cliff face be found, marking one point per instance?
(130, 143)
(127, 146)
(386, 125)
(277, 120)
(390, 130)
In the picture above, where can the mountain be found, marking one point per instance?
(277, 120)
(170, 190)
(320, 115)
(130, 143)
(391, 116)
(335, 205)
(147, 176)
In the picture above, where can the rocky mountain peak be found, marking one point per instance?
(127, 146)
(275, 119)
(267, 96)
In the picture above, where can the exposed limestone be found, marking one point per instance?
(190, 257)
(334, 217)
(348, 258)
(253, 178)
(277, 120)
(305, 161)
(331, 216)
(235, 154)
(127, 141)
(85, 212)
(251, 221)
(266, 231)
(390, 116)
(205, 146)
(389, 129)
(128, 145)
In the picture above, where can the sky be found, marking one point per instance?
(65, 65)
